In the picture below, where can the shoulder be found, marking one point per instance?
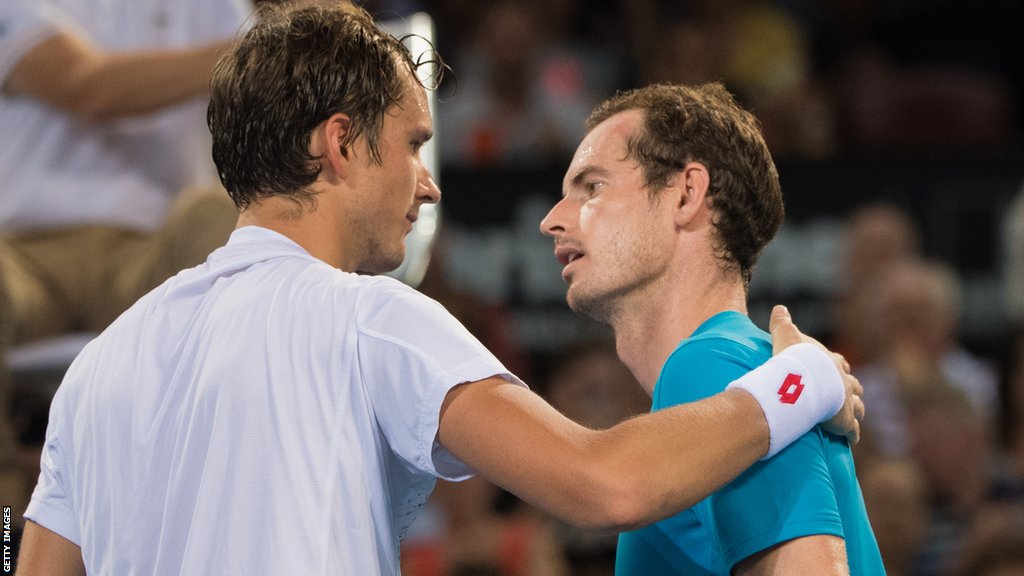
(726, 340)
(388, 309)
(723, 348)
(378, 294)
(732, 331)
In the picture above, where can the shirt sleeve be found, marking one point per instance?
(411, 353)
(51, 505)
(786, 497)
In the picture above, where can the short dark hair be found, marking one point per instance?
(289, 72)
(705, 124)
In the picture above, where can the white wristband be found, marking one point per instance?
(797, 389)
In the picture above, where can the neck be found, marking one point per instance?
(650, 327)
(307, 226)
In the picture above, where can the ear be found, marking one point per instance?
(326, 144)
(691, 191)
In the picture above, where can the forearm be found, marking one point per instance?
(676, 457)
(44, 552)
(640, 471)
(132, 84)
(71, 74)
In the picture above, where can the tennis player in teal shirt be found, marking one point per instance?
(807, 489)
(666, 205)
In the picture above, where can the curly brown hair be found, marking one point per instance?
(295, 67)
(705, 124)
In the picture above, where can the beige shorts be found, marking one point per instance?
(82, 278)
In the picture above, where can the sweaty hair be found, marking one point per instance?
(705, 124)
(288, 73)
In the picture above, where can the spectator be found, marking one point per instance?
(877, 234)
(521, 95)
(994, 545)
(918, 304)
(897, 503)
(951, 443)
(762, 54)
(103, 130)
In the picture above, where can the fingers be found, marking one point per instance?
(854, 435)
(858, 416)
(780, 316)
(843, 363)
(853, 383)
(854, 402)
(846, 422)
(784, 332)
(858, 409)
(854, 407)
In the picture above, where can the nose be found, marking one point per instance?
(427, 190)
(554, 222)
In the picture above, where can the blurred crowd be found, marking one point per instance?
(824, 78)
(942, 461)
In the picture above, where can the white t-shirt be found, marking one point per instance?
(57, 170)
(263, 413)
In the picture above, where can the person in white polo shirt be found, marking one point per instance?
(102, 104)
(274, 411)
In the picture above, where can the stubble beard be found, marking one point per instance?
(594, 306)
(627, 277)
(382, 255)
(385, 259)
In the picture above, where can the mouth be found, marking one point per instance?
(567, 254)
(411, 218)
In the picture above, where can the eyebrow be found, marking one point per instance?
(586, 171)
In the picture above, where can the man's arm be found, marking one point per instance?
(71, 73)
(637, 472)
(820, 555)
(640, 471)
(46, 553)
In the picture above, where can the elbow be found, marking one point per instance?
(619, 492)
(92, 107)
(616, 501)
(624, 511)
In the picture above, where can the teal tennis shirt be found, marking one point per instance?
(807, 489)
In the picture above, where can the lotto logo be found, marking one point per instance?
(791, 389)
